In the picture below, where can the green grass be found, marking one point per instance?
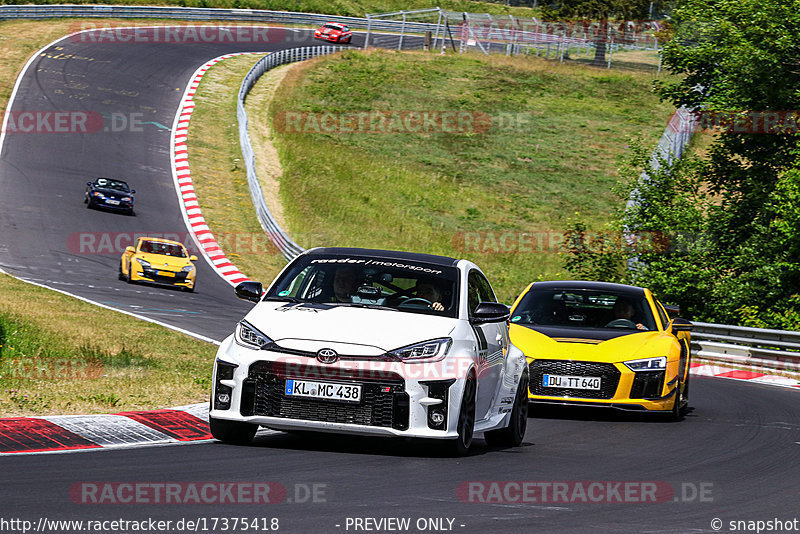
(430, 192)
(85, 359)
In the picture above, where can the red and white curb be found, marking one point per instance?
(720, 371)
(182, 177)
(70, 433)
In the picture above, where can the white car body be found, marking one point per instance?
(364, 337)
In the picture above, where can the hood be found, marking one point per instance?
(347, 330)
(158, 260)
(590, 344)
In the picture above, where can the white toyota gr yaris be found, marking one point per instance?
(372, 342)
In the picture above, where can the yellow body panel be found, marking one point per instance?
(632, 346)
(166, 266)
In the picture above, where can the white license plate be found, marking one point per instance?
(323, 390)
(571, 382)
(113, 202)
(166, 273)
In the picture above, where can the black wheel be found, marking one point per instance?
(233, 432)
(466, 419)
(514, 433)
(89, 204)
(130, 213)
(680, 405)
(128, 277)
(120, 276)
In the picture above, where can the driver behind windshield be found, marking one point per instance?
(345, 284)
(624, 309)
(430, 292)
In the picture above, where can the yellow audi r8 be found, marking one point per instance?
(602, 344)
(158, 261)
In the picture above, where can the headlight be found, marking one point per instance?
(97, 194)
(143, 263)
(126, 199)
(429, 351)
(648, 364)
(249, 336)
(188, 269)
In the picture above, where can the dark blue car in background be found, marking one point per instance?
(109, 193)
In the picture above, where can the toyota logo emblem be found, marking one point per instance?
(327, 356)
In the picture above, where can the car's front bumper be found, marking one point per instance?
(396, 398)
(621, 388)
(156, 276)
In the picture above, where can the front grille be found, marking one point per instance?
(384, 402)
(647, 384)
(179, 278)
(609, 378)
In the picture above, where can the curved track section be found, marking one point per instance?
(48, 235)
(735, 457)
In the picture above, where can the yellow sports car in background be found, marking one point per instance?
(601, 344)
(159, 261)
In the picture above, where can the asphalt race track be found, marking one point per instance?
(736, 456)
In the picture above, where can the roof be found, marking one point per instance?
(589, 285)
(432, 259)
(160, 240)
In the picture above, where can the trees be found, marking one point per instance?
(733, 217)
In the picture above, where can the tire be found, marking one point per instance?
(466, 420)
(120, 276)
(679, 405)
(128, 277)
(89, 204)
(233, 432)
(514, 433)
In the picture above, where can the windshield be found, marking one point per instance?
(403, 285)
(332, 27)
(584, 309)
(165, 249)
(112, 184)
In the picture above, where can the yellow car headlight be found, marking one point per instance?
(648, 364)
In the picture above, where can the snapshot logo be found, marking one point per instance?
(422, 122)
(107, 33)
(196, 493)
(70, 122)
(91, 243)
(581, 491)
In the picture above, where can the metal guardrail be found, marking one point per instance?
(759, 348)
(288, 248)
(200, 14)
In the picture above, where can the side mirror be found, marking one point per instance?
(130, 249)
(192, 258)
(133, 191)
(249, 291)
(673, 310)
(88, 183)
(490, 312)
(681, 325)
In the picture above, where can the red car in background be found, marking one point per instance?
(335, 32)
